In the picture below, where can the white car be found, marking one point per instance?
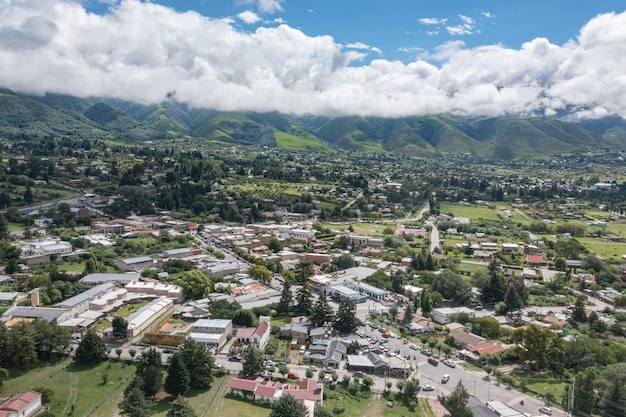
(449, 363)
(445, 378)
(427, 387)
(413, 346)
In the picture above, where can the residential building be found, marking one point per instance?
(213, 333)
(24, 404)
(256, 337)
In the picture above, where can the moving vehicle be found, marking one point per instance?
(545, 410)
(427, 387)
(293, 375)
(445, 378)
(433, 361)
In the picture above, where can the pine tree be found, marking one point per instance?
(287, 406)
(91, 348)
(286, 298)
(322, 311)
(177, 380)
(346, 322)
(304, 302)
(199, 360)
(252, 362)
(180, 408)
(135, 404)
(456, 402)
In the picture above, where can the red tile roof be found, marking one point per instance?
(20, 402)
(306, 390)
(261, 328)
(243, 384)
(245, 333)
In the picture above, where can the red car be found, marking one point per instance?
(433, 361)
(292, 375)
(386, 335)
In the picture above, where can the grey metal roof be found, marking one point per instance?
(121, 278)
(48, 314)
(88, 295)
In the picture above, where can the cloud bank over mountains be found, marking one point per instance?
(145, 52)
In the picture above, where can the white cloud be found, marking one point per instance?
(459, 30)
(432, 21)
(488, 15)
(142, 51)
(271, 6)
(466, 19)
(249, 17)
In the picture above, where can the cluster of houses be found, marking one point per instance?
(104, 293)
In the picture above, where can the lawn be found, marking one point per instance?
(223, 405)
(129, 309)
(472, 212)
(200, 401)
(76, 388)
(604, 248)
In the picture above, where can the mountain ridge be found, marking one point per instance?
(504, 137)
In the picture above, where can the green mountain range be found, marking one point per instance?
(427, 136)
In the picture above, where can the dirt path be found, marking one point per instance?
(373, 411)
(71, 397)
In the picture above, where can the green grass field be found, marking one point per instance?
(76, 388)
(287, 141)
(472, 212)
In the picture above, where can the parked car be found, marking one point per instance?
(413, 346)
(445, 378)
(312, 368)
(168, 350)
(427, 387)
(545, 410)
(449, 363)
(234, 359)
(426, 352)
(433, 361)
(358, 374)
(293, 375)
(386, 335)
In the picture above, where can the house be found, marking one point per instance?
(24, 404)
(213, 333)
(297, 332)
(537, 260)
(258, 336)
(588, 279)
(260, 390)
(466, 340)
(120, 280)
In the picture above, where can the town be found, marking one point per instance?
(299, 276)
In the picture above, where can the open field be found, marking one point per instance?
(472, 212)
(76, 388)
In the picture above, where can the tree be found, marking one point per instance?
(411, 388)
(91, 348)
(579, 315)
(425, 303)
(252, 362)
(322, 311)
(304, 302)
(180, 408)
(539, 347)
(344, 261)
(152, 380)
(494, 288)
(4, 227)
(245, 318)
(584, 391)
(199, 359)
(516, 293)
(178, 379)
(275, 245)
(453, 286)
(456, 402)
(135, 404)
(613, 397)
(283, 370)
(346, 321)
(287, 406)
(408, 314)
(195, 283)
(303, 271)
(286, 299)
(260, 273)
(120, 327)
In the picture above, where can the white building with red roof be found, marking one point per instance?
(25, 404)
(258, 336)
(306, 390)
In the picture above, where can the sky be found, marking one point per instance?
(394, 58)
